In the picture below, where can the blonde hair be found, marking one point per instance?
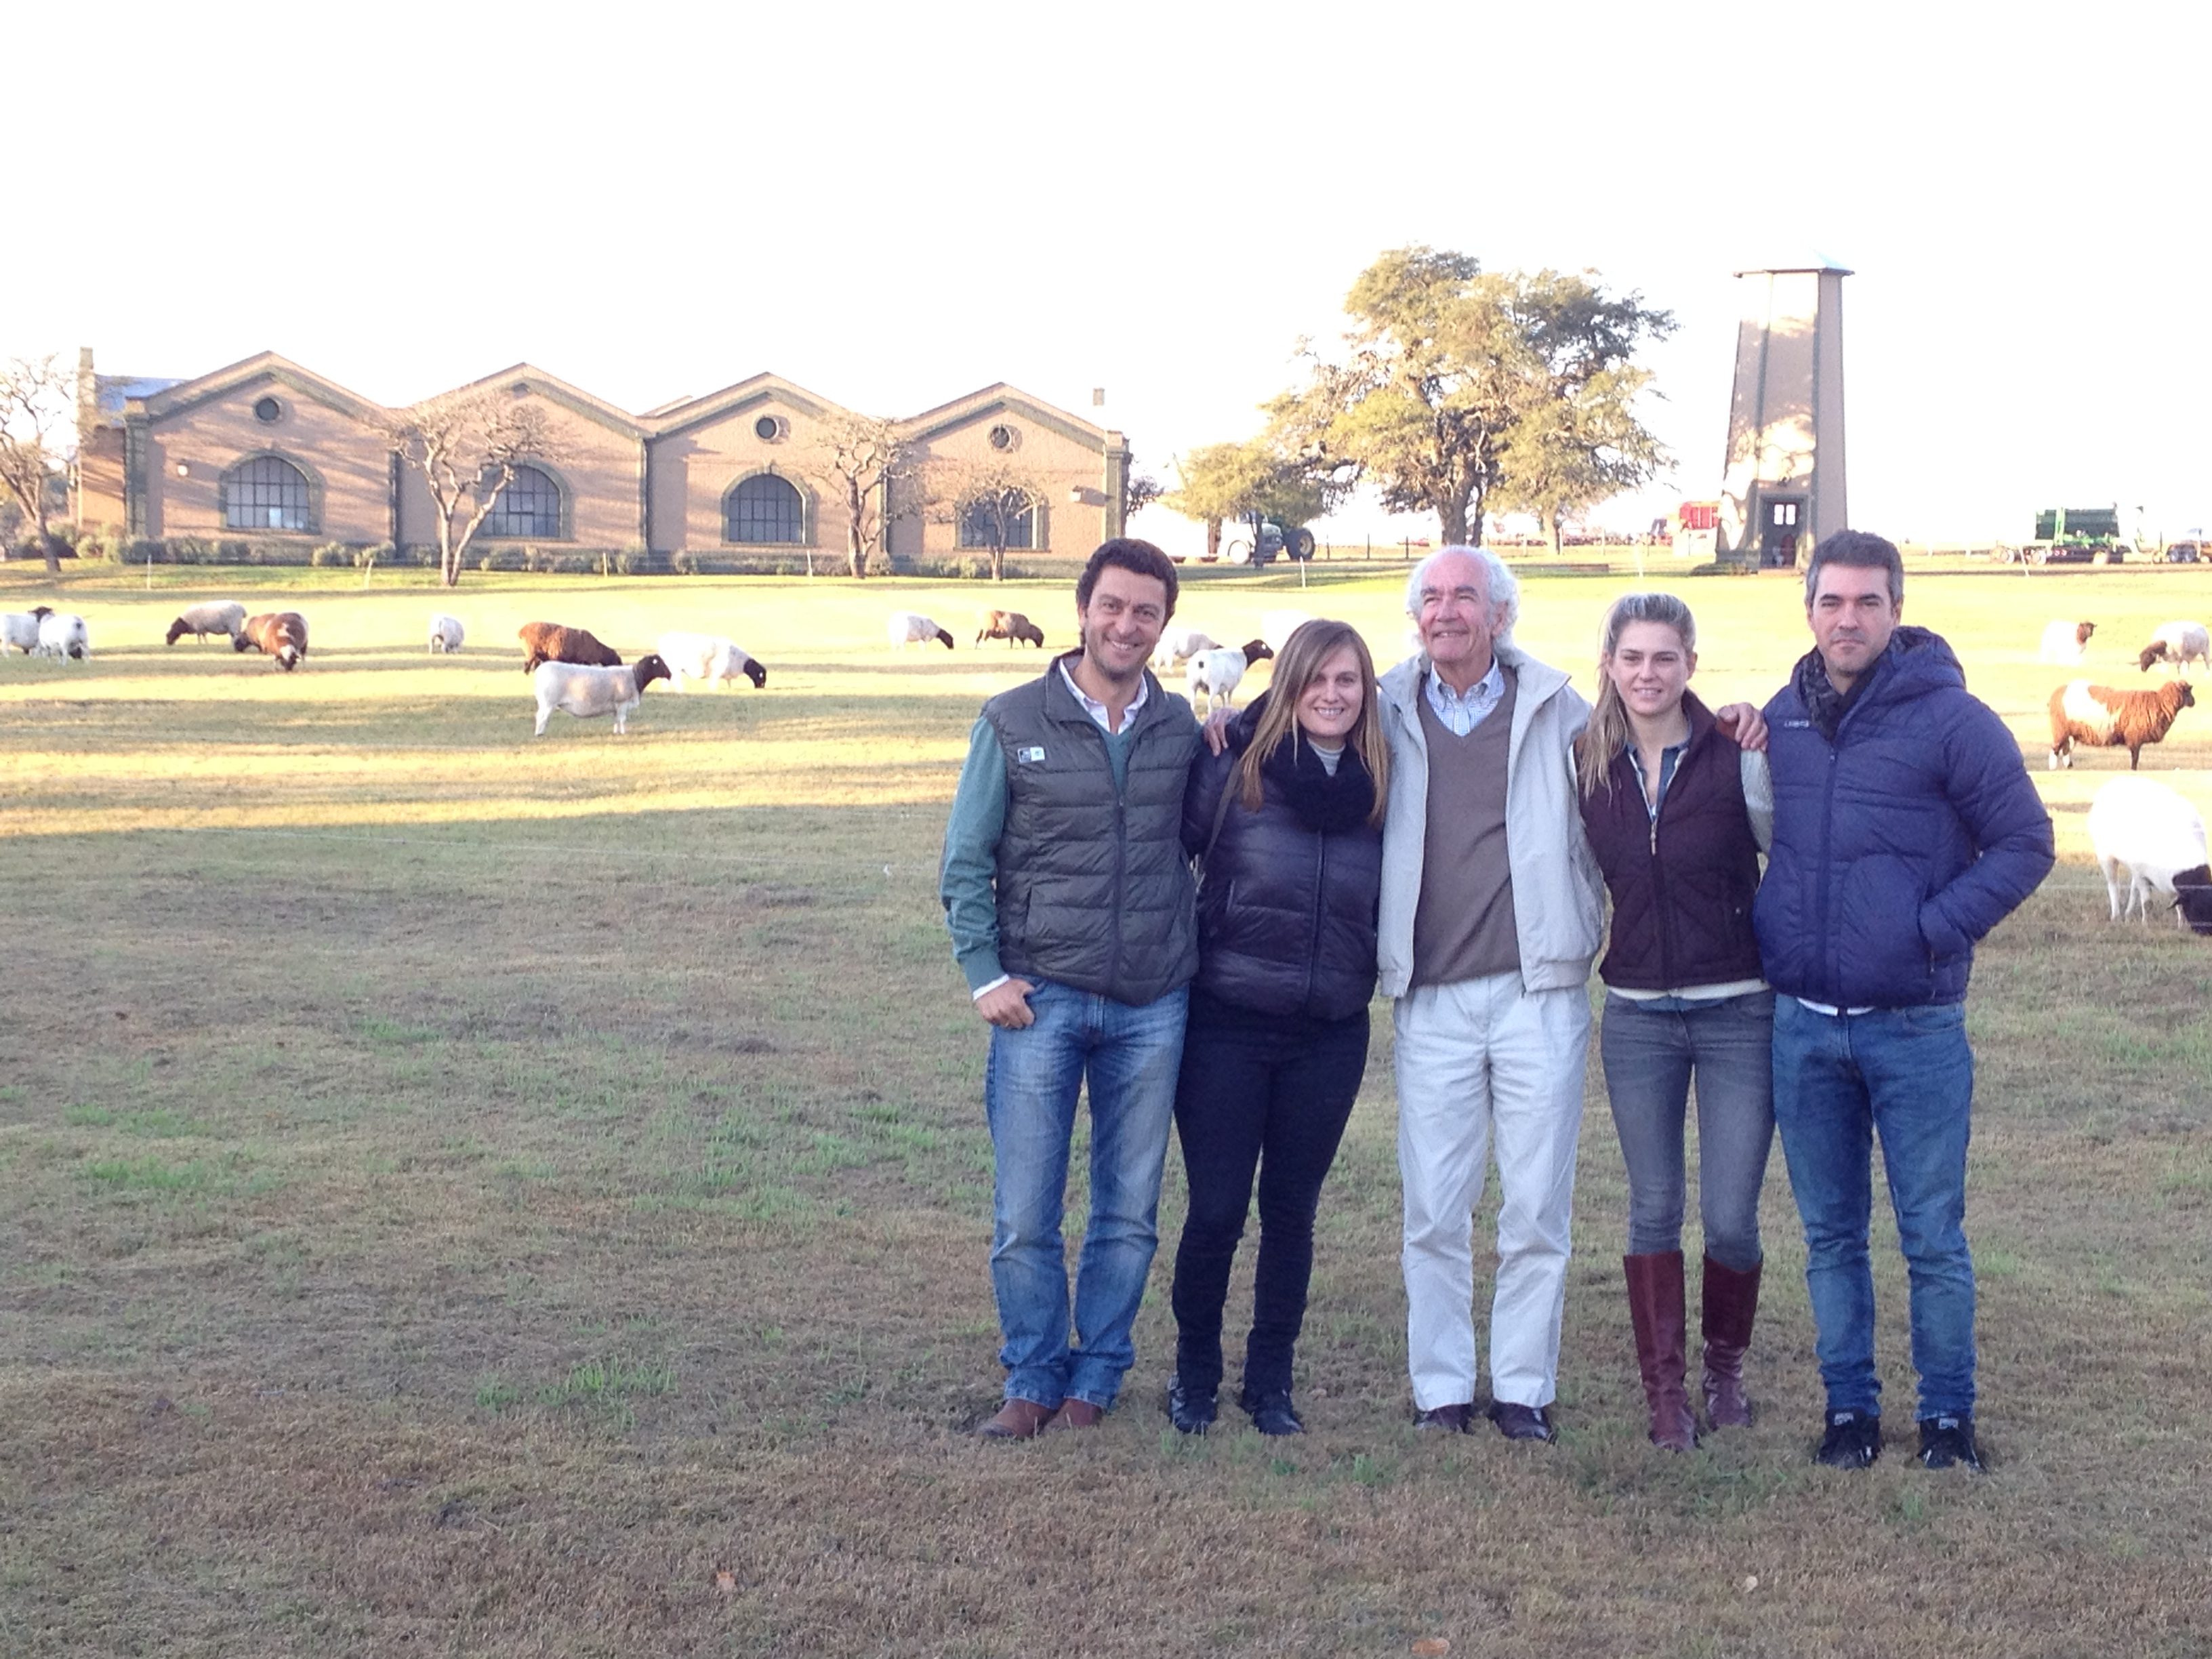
(1303, 654)
(1607, 734)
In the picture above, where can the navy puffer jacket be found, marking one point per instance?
(1285, 913)
(1900, 844)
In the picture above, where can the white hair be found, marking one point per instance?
(1497, 582)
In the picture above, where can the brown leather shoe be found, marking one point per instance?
(1446, 1419)
(1075, 1415)
(1018, 1419)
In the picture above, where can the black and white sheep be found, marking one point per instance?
(446, 633)
(1214, 675)
(2179, 643)
(19, 629)
(545, 642)
(585, 689)
(708, 658)
(279, 633)
(1180, 645)
(2147, 830)
(911, 628)
(62, 634)
(223, 616)
(2105, 717)
(2063, 641)
(1010, 626)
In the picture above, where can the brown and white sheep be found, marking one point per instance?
(585, 689)
(2063, 641)
(2105, 717)
(2178, 642)
(543, 643)
(1010, 626)
(223, 616)
(906, 628)
(1214, 675)
(279, 633)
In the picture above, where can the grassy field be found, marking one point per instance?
(466, 1194)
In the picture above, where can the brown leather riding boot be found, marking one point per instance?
(1655, 1309)
(1731, 1301)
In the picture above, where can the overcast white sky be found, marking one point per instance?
(893, 205)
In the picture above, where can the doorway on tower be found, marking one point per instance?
(1781, 520)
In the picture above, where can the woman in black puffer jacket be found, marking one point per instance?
(1287, 824)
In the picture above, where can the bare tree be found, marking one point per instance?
(990, 502)
(469, 445)
(862, 460)
(36, 403)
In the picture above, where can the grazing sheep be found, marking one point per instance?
(279, 633)
(2177, 643)
(223, 616)
(2063, 641)
(63, 634)
(446, 633)
(708, 658)
(2104, 717)
(2158, 837)
(585, 689)
(1214, 674)
(1179, 645)
(1276, 627)
(19, 629)
(543, 643)
(1010, 626)
(912, 628)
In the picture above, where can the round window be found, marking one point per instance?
(267, 410)
(1003, 437)
(768, 428)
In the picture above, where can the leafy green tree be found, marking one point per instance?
(1246, 481)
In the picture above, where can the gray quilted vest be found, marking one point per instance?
(1094, 888)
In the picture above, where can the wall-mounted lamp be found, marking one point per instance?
(183, 471)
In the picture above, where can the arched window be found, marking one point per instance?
(995, 513)
(266, 492)
(764, 509)
(528, 509)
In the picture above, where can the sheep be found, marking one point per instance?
(2103, 716)
(2158, 837)
(912, 628)
(585, 689)
(2063, 641)
(1276, 627)
(1010, 626)
(223, 616)
(63, 634)
(19, 629)
(446, 633)
(708, 658)
(1179, 645)
(279, 633)
(545, 642)
(1214, 674)
(2177, 643)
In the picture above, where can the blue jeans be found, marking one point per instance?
(1128, 1055)
(1907, 1075)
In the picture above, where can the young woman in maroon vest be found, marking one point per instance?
(1677, 817)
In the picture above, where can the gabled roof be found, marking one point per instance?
(1001, 398)
(182, 395)
(551, 387)
(682, 416)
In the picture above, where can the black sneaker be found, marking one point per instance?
(1853, 1440)
(1517, 1422)
(1191, 1410)
(1948, 1441)
(1273, 1412)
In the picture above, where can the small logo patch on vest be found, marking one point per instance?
(1031, 755)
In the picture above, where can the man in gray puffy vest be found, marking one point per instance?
(1071, 907)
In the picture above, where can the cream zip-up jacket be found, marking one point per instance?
(1558, 895)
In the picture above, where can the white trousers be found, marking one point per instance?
(1482, 1061)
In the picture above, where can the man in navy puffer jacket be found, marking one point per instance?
(1906, 827)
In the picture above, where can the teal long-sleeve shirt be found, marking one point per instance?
(967, 878)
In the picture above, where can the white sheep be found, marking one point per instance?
(223, 616)
(1214, 675)
(585, 690)
(708, 658)
(1180, 645)
(2178, 642)
(19, 629)
(2064, 641)
(63, 634)
(912, 628)
(446, 633)
(2158, 838)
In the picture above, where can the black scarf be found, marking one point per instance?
(1825, 704)
(1325, 805)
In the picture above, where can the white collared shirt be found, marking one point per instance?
(1462, 715)
(1099, 712)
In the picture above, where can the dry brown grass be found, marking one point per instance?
(464, 1195)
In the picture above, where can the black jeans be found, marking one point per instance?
(1270, 1093)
